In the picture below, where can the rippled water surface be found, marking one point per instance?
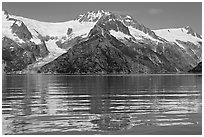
(57, 104)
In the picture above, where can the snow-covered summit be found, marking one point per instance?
(92, 16)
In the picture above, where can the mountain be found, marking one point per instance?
(19, 47)
(96, 42)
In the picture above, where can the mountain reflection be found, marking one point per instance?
(49, 103)
(111, 122)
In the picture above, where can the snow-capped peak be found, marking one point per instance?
(191, 31)
(92, 16)
(128, 17)
(188, 28)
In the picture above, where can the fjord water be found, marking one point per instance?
(125, 104)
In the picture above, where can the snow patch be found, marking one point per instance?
(35, 40)
(128, 17)
(180, 45)
(119, 34)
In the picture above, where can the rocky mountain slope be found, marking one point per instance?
(197, 69)
(96, 42)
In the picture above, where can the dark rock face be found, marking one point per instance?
(110, 22)
(39, 50)
(18, 56)
(192, 53)
(142, 57)
(103, 53)
(21, 30)
(69, 31)
(15, 57)
(96, 55)
(197, 69)
(176, 57)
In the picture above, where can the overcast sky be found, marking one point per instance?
(153, 15)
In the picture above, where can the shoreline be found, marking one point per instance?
(139, 74)
(138, 130)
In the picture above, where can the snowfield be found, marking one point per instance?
(58, 30)
(177, 34)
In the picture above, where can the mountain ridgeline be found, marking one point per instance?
(97, 42)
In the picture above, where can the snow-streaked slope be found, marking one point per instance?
(182, 37)
(137, 34)
(174, 34)
(6, 29)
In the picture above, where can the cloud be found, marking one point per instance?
(154, 11)
(123, 12)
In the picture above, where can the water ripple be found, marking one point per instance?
(98, 104)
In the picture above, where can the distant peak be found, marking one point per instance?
(103, 11)
(128, 17)
(192, 32)
(92, 16)
(188, 28)
(99, 11)
(5, 12)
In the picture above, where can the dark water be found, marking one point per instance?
(57, 104)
